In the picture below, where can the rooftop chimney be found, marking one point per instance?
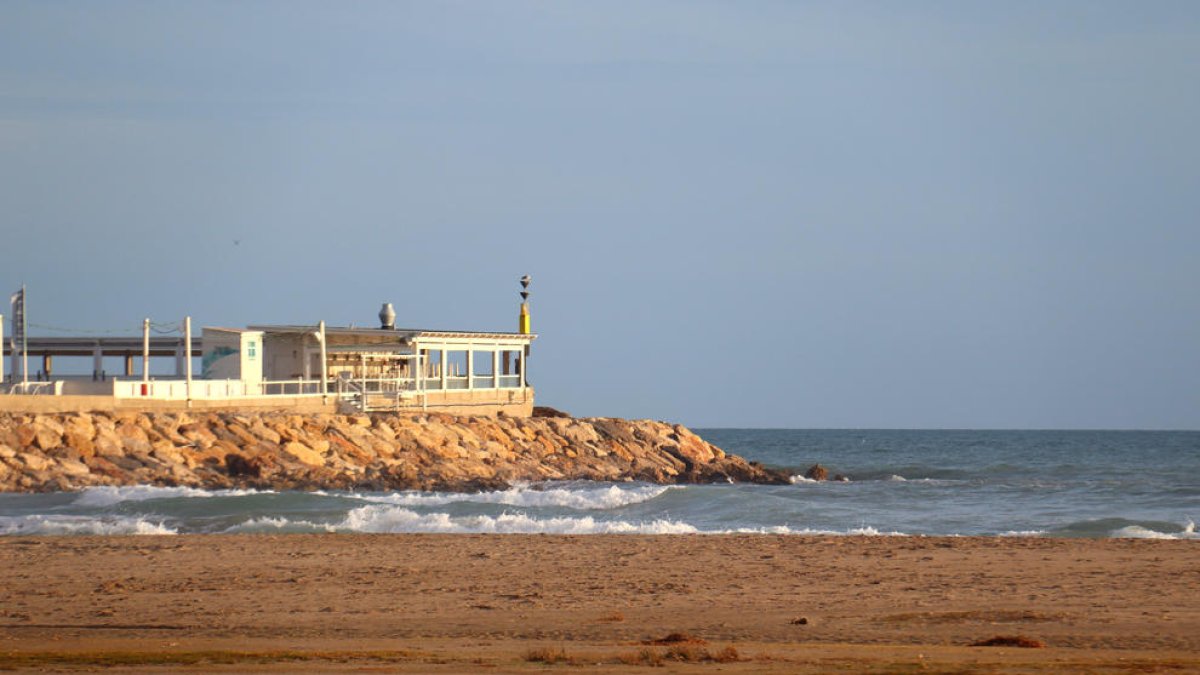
(387, 317)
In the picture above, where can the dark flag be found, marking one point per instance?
(18, 318)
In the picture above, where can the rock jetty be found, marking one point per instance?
(56, 452)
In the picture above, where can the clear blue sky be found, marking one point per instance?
(958, 214)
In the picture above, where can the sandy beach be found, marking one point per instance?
(515, 602)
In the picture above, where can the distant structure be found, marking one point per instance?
(523, 319)
(311, 367)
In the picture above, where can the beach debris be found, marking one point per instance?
(1011, 641)
(800, 621)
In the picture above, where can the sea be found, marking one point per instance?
(1095, 484)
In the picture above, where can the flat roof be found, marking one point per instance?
(399, 333)
(109, 346)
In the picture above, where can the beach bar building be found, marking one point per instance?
(310, 367)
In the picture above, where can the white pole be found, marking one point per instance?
(145, 350)
(525, 368)
(324, 364)
(187, 355)
(417, 367)
(24, 337)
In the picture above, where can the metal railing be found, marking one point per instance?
(296, 387)
(33, 388)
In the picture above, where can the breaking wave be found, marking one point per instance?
(399, 519)
(279, 524)
(383, 519)
(598, 498)
(80, 525)
(1139, 532)
(102, 496)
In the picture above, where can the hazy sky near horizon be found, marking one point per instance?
(955, 214)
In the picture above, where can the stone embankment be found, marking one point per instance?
(49, 452)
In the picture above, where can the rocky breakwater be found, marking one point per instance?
(48, 452)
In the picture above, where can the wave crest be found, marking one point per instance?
(379, 518)
(60, 524)
(109, 495)
(587, 499)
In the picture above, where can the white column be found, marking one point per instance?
(496, 369)
(523, 359)
(324, 362)
(442, 366)
(187, 354)
(145, 350)
(416, 366)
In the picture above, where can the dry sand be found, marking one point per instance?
(501, 603)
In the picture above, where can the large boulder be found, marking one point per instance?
(817, 472)
(303, 454)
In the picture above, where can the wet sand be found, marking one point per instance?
(506, 603)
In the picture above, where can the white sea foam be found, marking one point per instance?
(1023, 533)
(592, 498)
(381, 518)
(108, 495)
(897, 478)
(798, 478)
(62, 524)
(278, 524)
(1139, 532)
(863, 531)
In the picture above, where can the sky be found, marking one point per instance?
(770, 214)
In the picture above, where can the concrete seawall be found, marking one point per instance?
(49, 452)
